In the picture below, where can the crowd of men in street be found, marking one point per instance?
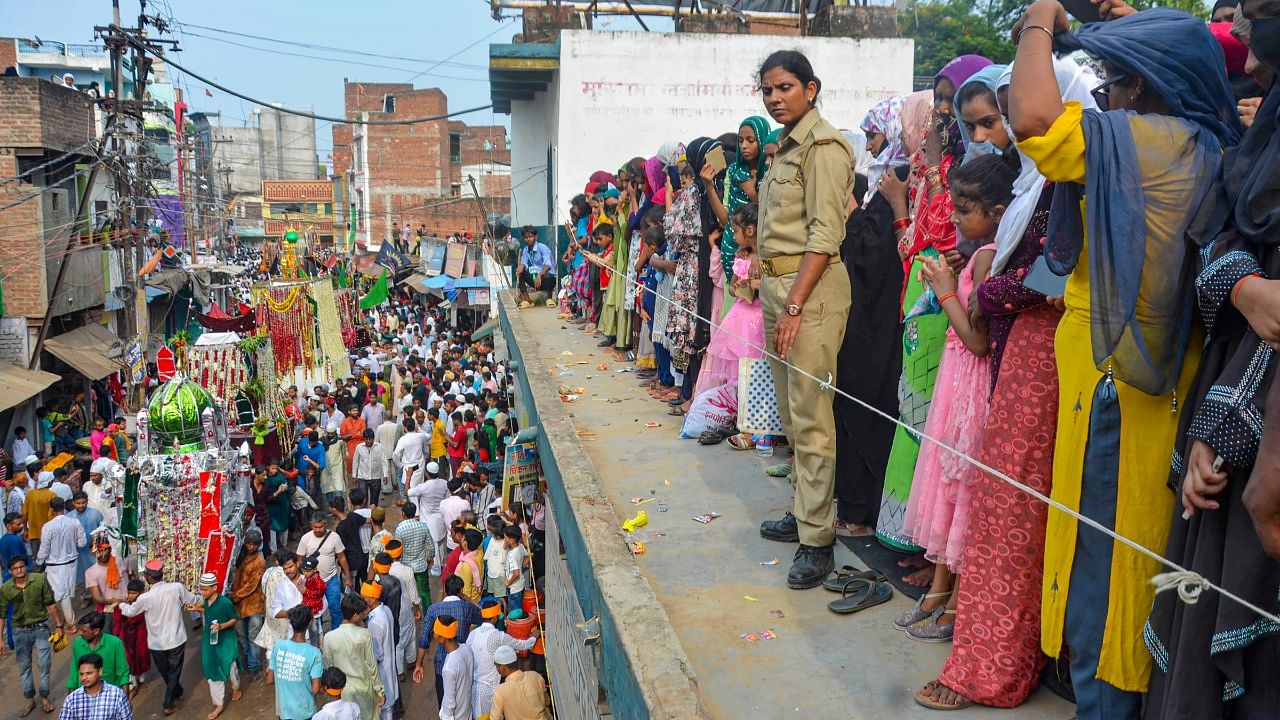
(329, 600)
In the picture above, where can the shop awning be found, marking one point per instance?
(86, 349)
(444, 282)
(418, 282)
(486, 329)
(18, 384)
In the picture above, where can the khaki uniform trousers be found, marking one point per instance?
(804, 405)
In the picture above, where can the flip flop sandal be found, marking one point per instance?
(923, 698)
(779, 470)
(838, 579)
(676, 410)
(860, 594)
(741, 442)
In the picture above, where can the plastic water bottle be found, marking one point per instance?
(764, 446)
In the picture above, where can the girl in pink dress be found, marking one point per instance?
(741, 332)
(938, 510)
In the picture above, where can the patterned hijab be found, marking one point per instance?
(885, 119)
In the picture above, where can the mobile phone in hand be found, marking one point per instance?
(1043, 280)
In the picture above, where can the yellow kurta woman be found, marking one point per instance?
(1127, 346)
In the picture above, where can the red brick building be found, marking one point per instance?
(45, 124)
(416, 174)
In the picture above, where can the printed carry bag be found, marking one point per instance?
(757, 401)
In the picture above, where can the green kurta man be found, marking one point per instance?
(349, 648)
(115, 665)
(219, 645)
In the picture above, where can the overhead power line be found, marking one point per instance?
(211, 83)
(343, 61)
(459, 52)
(330, 48)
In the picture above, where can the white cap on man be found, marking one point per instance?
(504, 655)
(433, 467)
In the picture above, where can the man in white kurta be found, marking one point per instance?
(280, 590)
(409, 612)
(483, 641)
(382, 627)
(457, 675)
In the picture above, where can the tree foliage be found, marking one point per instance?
(949, 28)
(944, 29)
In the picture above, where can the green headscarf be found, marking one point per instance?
(735, 197)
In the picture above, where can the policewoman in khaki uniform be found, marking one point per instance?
(805, 293)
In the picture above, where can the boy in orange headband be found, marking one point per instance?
(334, 680)
(459, 667)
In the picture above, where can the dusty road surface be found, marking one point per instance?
(712, 579)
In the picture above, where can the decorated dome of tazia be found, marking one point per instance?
(175, 413)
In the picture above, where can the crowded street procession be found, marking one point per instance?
(974, 334)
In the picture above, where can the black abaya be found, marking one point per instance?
(869, 362)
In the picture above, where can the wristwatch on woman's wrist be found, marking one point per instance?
(793, 310)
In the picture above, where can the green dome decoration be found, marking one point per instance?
(174, 414)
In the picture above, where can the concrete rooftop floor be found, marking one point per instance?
(709, 578)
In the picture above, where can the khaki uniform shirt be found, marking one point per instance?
(800, 208)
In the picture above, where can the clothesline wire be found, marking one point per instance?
(1188, 583)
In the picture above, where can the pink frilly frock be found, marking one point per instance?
(938, 510)
(741, 334)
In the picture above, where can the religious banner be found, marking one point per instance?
(217, 558)
(166, 364)
(210, 504)
(129, 510)
(390, 257)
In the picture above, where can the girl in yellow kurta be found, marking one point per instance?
(1125, 347)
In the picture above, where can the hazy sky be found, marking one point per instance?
(424, 31)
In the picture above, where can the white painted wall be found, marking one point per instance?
(533, 130)
(621, 94)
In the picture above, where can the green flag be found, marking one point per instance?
(377, 294)
(351, 224)
(342, 275)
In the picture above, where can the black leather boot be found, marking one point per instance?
(783, 530)
(810, 567)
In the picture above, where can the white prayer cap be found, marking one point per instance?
(208, 580)
(504, 655)
(433, 467)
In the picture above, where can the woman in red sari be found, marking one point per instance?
(995, 655)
